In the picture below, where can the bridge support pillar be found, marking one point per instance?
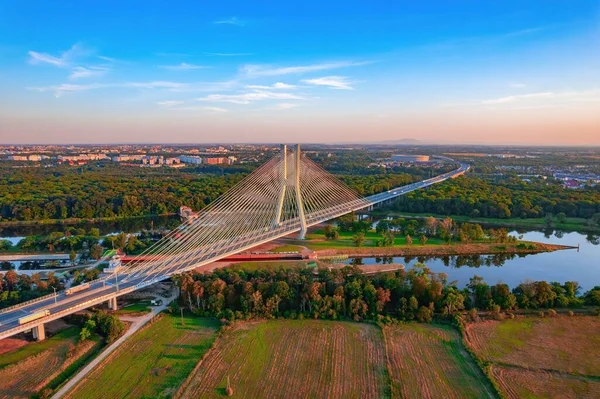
(39, 332)
(112, 304)
(283, 186)
(300, 204)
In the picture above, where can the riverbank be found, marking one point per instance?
(76, 221)
(446, 250)
(569, 224)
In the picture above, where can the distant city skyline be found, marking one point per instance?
(511, 72)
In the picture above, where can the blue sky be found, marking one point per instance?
(172, 71)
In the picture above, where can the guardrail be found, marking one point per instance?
(31, 301)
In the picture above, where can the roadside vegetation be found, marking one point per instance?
(153, 362)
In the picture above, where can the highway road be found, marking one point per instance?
(129, 280)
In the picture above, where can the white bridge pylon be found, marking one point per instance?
(288, 193)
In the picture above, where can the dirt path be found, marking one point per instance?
(136, 324)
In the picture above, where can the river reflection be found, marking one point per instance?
(581, 265)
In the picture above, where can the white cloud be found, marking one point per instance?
(278, 85)
(283, 106)
(262, 70)
(334, 82)
(556, 97)
(182, 67)
(82, 72)
(158, 84)
(230, 21)
(46, 58)
(65, 88)
(248, 97)
(105, 58)
(69, 88)
(64, 60)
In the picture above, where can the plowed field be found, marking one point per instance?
(295, 359)
(429, 361)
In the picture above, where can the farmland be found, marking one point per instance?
(521, 383)
(309, 358)
(430, 361)
(153, 362)
(28, 370)
(541, 357)
(294, 358)
(564, 344)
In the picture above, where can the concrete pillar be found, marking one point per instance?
(112, 304)
(299, 202)
(39, 333)
(283, 185)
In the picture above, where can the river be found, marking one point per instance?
(582, 266)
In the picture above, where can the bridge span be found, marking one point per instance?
(288, 194)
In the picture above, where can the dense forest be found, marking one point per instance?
(417, 294)
(109, 191)
(476, 197)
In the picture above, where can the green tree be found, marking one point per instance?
(96, 251)
(358, 239)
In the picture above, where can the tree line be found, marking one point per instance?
(348, 293)
(107, 191)
(476, 197)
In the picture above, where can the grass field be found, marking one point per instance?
(153, 362)
(135, 308)
(565, 344)
(430, 361)
(315, 240)
(569, 224)
(534, 357)
(521, 383)
(294, 358)
(26, 371)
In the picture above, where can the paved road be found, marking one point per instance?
(136, 324)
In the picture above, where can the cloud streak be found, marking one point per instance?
(249, 97)
(333, 82)
(278, 85)
(230, 21)
(549, 96)
(90, 72)
(64, 60)
(264, 70)
(182, 67)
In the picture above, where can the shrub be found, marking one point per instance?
(551, 313)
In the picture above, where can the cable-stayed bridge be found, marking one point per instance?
(287, 194)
